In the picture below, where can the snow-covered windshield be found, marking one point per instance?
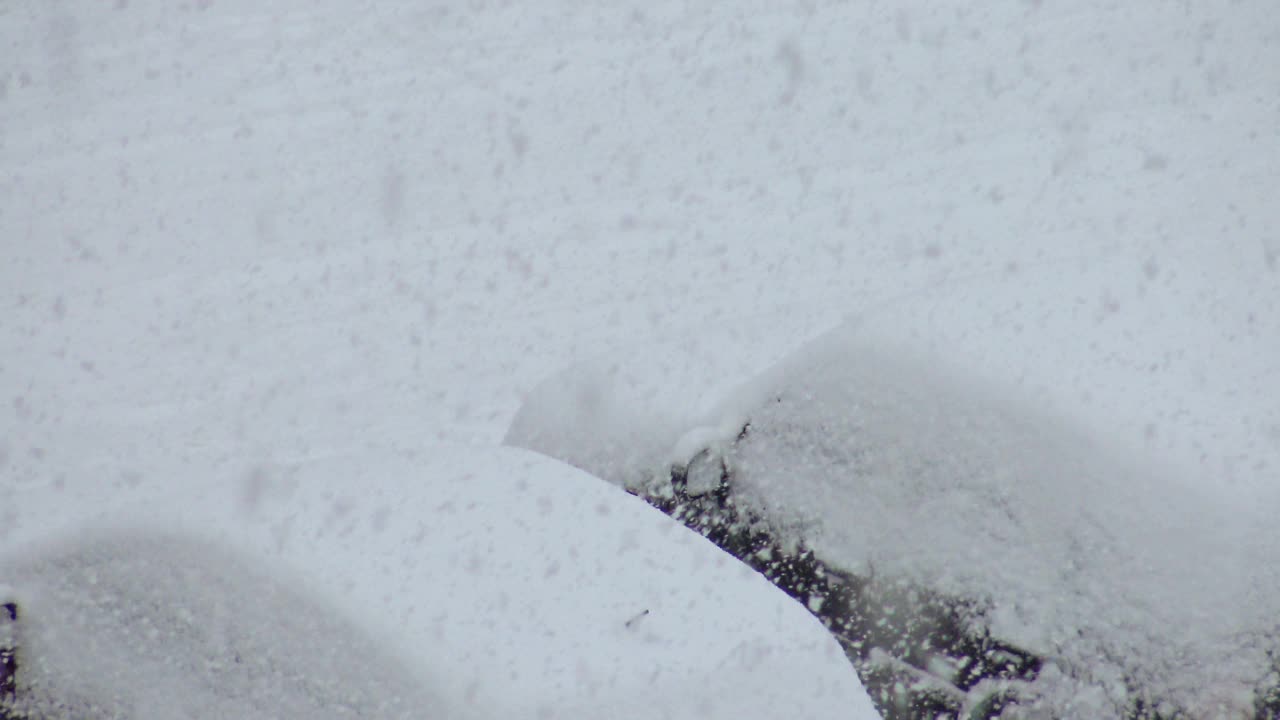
(1121, 572)
(1130, 578)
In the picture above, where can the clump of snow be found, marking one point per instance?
(631, 420)
(627, 418)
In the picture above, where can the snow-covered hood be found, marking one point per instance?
(501, 583)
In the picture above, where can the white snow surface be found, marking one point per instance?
(415, 583)
(138, 625)
(887, 461)
(238, 236)
(1116, 569)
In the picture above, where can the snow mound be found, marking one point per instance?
(1129, 579)
(137, 625)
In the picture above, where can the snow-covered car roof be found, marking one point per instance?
(492, 583)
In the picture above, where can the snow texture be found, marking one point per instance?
(1118, 571)
(238, 238)
(131, 625)
(506, 583)
(890, 463)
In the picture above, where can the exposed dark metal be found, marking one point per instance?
(8, 660)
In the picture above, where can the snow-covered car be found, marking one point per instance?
(444, 583)
(975, 557)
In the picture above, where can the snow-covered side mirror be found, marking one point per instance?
(702, 465)
(704, 473)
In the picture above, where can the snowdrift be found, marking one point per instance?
(138, 625)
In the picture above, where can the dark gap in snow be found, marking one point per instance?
(8, 657)
(8, 661)
(919, 653)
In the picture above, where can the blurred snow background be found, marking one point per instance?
(234, 235)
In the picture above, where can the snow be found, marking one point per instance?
(236, 238)
(132, 625)
(893, 462)
(475, 584)
(887, 460)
